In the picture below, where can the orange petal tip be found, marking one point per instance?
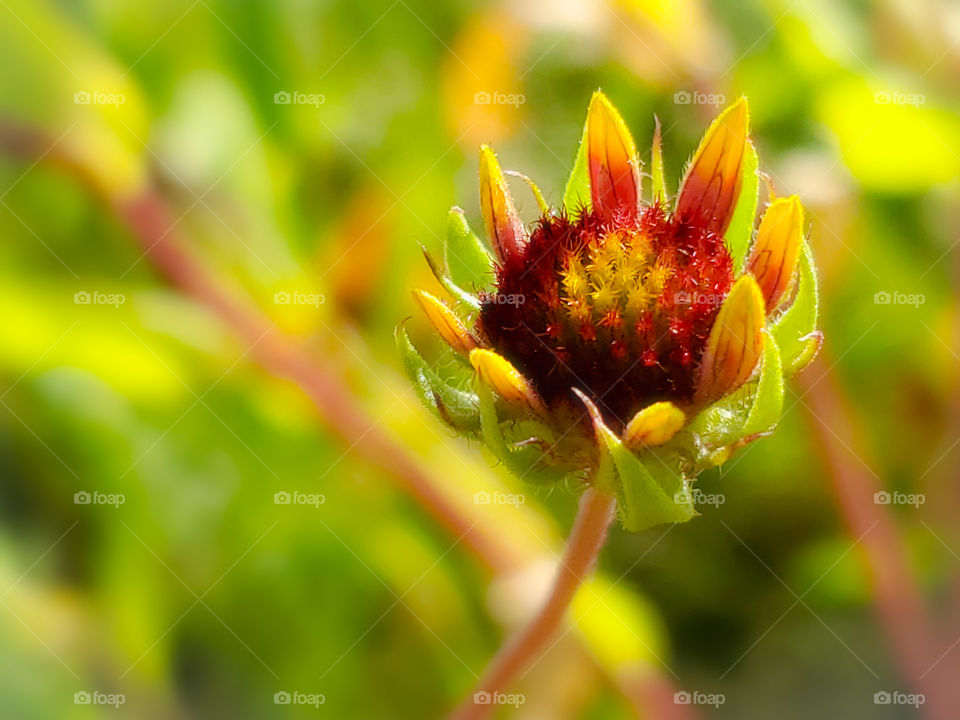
(613, 163)
(712, 183)
(499, 214)
(510, 384)
(447, 324)
(776, 253)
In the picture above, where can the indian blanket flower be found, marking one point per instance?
(625, 340)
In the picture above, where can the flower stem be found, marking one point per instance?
(583, 546)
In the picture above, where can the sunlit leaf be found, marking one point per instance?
(576, 195)
(457, 292)
(525, 462)
(740, 230)
(793, 330)
(649, 491)
(468, 263)
(453, 406)
(768, 400)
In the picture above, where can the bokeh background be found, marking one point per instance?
(199, 284)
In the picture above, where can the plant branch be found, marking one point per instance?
(584, 545)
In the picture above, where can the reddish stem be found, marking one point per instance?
(899, 605)
(586, 540)
(147, 215)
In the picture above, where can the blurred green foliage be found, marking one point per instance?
(199, 596)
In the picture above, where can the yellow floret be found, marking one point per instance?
(638, 300)
(657, 278)
(579, 310)
(575, 280)
(604, 295)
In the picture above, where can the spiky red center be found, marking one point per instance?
(620, 310)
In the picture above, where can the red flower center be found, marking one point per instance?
(619, 309)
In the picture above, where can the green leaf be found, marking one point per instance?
(525, 463)
(649, 493)
(794, 329)
(716, 426)
(468, 263)
(768, 399)
(754, 408)
(657, 177)
(537, 195)
(455, 407)
(461, 295)
(576, 195)
(740, 230)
